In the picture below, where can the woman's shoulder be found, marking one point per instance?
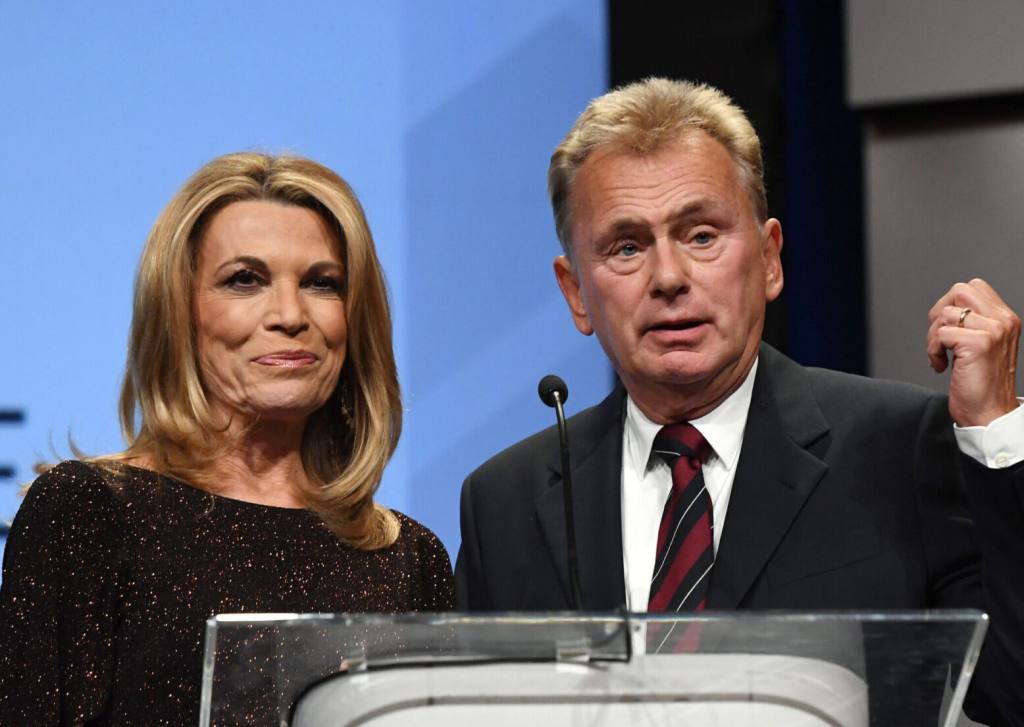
(70, 480)
(78, 485)
(413, 531)
(433, 563)
(72, 512)
(418, 537)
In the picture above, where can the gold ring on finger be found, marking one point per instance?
(963, 316)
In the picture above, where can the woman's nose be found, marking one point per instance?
(287, 311)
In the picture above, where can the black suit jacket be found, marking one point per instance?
(850, 493)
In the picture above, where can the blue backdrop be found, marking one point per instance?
(442, 115)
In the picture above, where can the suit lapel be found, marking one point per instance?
(595, 446)
(775, 475)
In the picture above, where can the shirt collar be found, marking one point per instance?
(722, 427)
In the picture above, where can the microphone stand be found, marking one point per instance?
(554, 392)
(570, 520)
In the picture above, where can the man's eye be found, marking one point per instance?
(628, 249)
(244, 279)
(703, 238)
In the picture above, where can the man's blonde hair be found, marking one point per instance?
(642, 118)
(165, 415)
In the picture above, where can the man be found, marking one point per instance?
(722, 474)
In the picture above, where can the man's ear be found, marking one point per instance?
(772, 251)
(570, 286)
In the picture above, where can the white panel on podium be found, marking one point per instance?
(698, 690)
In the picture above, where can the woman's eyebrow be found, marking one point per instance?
(244, 259)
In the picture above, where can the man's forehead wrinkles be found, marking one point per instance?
(657, 196)
(657, 188)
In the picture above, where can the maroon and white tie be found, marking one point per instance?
(685, 551)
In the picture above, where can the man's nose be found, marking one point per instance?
(670, 268)
(287, 310)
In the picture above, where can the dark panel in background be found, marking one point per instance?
(7, 471)
(734, 45)
(824, 182)
(781, 62)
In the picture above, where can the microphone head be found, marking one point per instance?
(549, 386)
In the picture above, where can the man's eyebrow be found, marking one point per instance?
(690, 209)
(625, 224)
(694, 208)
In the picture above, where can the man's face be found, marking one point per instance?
(672, 271)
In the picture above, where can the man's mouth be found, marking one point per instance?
(683, 325)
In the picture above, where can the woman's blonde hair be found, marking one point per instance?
(165, 416)
(643, 117)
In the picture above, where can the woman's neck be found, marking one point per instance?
(265, 466)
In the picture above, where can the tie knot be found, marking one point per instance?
(681, 440)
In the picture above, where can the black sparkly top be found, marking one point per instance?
(108, 582)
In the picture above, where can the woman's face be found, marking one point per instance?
(269, 311)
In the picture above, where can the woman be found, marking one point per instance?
(260, 405)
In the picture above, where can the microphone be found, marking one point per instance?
(549, 387)
(555, 393)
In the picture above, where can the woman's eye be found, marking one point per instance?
(244, 279)
(325, 283)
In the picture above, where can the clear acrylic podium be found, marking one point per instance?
(842, 669)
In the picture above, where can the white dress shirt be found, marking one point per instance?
(647, 480)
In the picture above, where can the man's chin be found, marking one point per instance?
(683, 368)
(670, 377)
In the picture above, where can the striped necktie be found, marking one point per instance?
(685, 543)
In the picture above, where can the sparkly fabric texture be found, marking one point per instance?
(108, 583)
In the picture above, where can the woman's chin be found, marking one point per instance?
(284, 411)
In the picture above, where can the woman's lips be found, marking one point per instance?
(291, 359)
